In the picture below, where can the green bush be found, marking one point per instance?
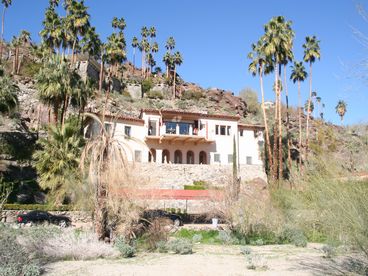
(197, 238)
(162, 247)
(245, 250)
(31, 69)
(126, 250)
(153, 94)
(181, 246)
(225, 237)
(294, 236)
(208, 236)
(328, 251)
(146, 86)
(192, 95)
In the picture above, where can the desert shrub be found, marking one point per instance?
(126, 250)
(14, 259)
(328, 251)
(181, 246)
(39, 207)
(157, 232)
(197, 238)
(182, 104)
(126, 94)
(71, 245)
(192, 95)
(153, 94)
(245, 250)
(225, 237)
(31, 69)
(162, 247)
(294, 236)
(147, 85)
(256, 262)
(251, 98)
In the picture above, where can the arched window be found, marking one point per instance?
(178, 157)
(190, 157)
(152, 155)
(202, 157)
(165, 156)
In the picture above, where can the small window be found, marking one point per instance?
(137, 156)
(223, 130)
(228, 130)
(241, 132)
(249, 160)
(217, 129)
(230, 158)
(217, 157)
(127, 131)
(108, 128)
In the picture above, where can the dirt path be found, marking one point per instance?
(211, 260)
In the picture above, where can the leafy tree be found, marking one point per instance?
(57, 161)
(311, 53)
(6, 4)
(298, 74)
(8, 95)
(341, 109)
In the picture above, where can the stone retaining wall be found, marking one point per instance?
(175, 176)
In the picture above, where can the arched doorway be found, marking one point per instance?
(165, 156)
(190, 157)
(202, 157)
(152, 155)
(178, 157)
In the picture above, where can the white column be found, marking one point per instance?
(177, 129)
(159, 156)
(190, 129)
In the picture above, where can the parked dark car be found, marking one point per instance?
(151, 215)
(42, 216)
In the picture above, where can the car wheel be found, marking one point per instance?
(63, 223)
(177, 222)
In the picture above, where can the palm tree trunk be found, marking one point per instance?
(56, 114)
(101, 77)
(308, 112)
(19, 64)
(143, 57)
(2, 34)
(300, 126)
(280, 139)
(174, 84)
(64, 110)
(16, 59)
(133, 59)
(268, 144)
(74, 44)
(275, 140)
(14, 63)
(287, 120)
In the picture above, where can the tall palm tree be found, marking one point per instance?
(118, 23)
(143, 46)
(135, 44)
(260, 66)
(91, 43)
(8, 95)
(6, 4)
(170, 45)
(24, 38)
(52, 29)
(15, 44)
(278, 40)
(319, 101)
(154, 49)
(178, 60)
(298, 74)
(79, 19)
(168, 60)
(311, 53)
(341, 109)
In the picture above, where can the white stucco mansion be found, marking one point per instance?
(180, 137)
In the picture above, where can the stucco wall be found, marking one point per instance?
(175, 176)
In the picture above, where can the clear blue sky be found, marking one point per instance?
(214, 38)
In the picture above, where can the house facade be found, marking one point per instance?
(180, 137)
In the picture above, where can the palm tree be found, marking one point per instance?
(8, 95)
(154, 49)
(318, 100)
(118, 23)
(115, 50)
(168, 60)
(309, 107)
(178, 60)
(257, 67)
(298, 74)
(143, 46)
(91, 43)
(24, 38)
(311, 53)
(79, 20)
(15, 44)
(52, 31)
(278, 41)
(341, 109)
(170, 45)
(6, 4)
(57, 162)
(135, 44)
